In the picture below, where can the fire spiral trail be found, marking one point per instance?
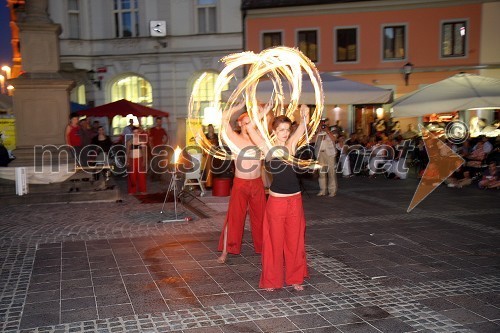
(281, 65)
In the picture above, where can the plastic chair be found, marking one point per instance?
(193, 177)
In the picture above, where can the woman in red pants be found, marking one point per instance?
(284, 222)
(136, 161)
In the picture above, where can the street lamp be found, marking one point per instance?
(10, 90)
(7, 71)
(92, 78)
(2, 84)
(407, 70)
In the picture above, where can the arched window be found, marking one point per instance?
(204, 97)
(135, 89)
(78, 94)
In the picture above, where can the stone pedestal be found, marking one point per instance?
(41, 108)
(39, 47)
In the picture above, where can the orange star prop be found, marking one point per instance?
(442, 163)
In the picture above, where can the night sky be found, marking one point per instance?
(5, 47)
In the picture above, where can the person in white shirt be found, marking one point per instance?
(487, 146)
(344, 159)
(326, 153)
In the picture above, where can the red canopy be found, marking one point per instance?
(122, 108)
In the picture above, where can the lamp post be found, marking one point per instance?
(10, 90)
(92, 78)
(7, 71)
(407, 70)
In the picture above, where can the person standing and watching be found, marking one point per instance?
(127, 132)
(283, 249)
(247, 192)
(136, 162)
(158, 138)
(326, 153)
(73, 137)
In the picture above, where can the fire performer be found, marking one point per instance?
(247, 192)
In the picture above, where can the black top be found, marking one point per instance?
(285, 179)
(104, 144)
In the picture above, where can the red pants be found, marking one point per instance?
(283, 242)
(136, 176)
(246, 193)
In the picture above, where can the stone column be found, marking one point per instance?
(41, 95)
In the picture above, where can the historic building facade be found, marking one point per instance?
(401, 45)
(147, 51)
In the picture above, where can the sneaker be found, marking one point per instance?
(320, 194)
(332, 194)
(451, 185)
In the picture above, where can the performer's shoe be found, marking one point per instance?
(320, 194)
(332, 194)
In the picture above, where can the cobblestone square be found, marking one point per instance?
(111, 267)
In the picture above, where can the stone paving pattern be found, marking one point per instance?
(111, 267)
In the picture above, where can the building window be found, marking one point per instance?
(126, 18)
(347, 48)
(78, 94)
(135, 89)
(73, 19)
(394, 42)
(308, 44)
(206, 16)
(270, 39)
(453, 39)
(204, 97)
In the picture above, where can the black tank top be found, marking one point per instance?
(285, 179)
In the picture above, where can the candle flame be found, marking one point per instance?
(177, 154)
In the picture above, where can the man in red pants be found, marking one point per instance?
(247, 193)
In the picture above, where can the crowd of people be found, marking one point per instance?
(393, 154)
(92, 146)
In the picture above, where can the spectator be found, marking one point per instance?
(326, 152)
(73, 137)
(136, 161)
(344, 160)
(5, 158)
(487, 146)
(127, 132)
(158, 139)
(475, 159)
(490, 177)
(459, 178)
(103, 141)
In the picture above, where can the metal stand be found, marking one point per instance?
(172, 187)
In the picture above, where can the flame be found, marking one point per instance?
(177, 154)
(283, 65)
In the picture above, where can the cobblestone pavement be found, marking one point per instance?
(111, 267)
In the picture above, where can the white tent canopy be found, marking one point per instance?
(459, 92)
(337, 90)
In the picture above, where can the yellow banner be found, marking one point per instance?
(8, 131)
(193, 128)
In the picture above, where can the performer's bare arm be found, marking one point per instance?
(231, 134)
(304, 120)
